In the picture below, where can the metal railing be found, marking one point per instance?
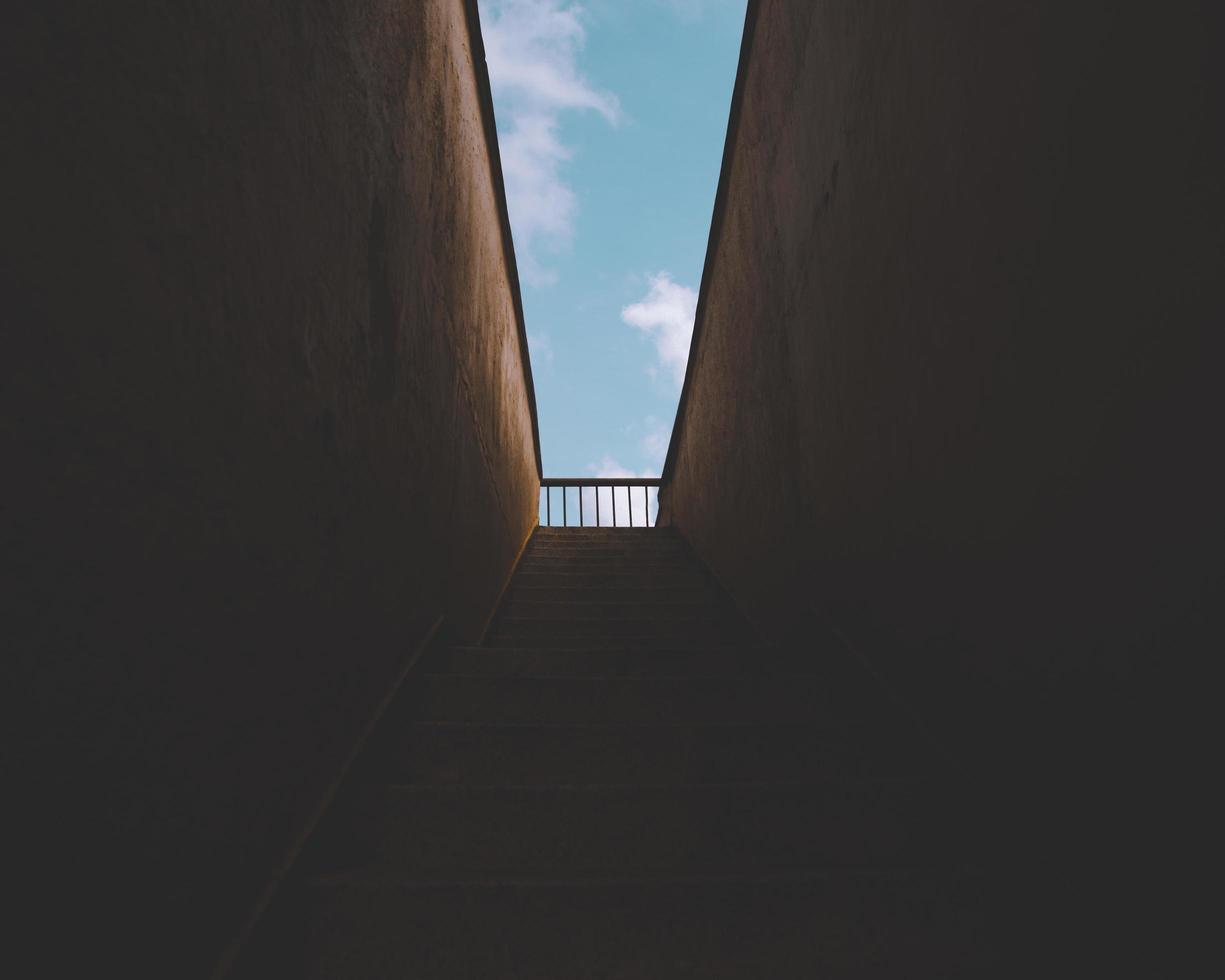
(600, 501)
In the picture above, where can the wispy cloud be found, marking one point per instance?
(532, 47)
(666, 313)
(634, 508)
(655, 443)
(636, 505)
(540, 349)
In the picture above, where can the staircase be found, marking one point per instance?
(618, 784)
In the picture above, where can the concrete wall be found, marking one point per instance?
(267, 417)
(953, 383)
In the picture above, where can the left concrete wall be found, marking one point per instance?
(268, 416)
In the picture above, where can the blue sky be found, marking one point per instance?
(611, 121)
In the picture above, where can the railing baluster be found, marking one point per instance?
(598, 485)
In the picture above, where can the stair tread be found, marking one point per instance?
(738, 679)
(626, 646)
(520, 610)
(823, 787)
(587, 661)
(640, 880)
(526, 697)
(561, 640)
(583, 828)
(660, 752)
(829, 725)
(862, 923)
(610, 595)
(753, 657)
(595, 578)
(566, 602)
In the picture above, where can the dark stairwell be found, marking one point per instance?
(948, 439)
(620, 783)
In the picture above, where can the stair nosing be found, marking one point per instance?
(700, 648)
(665, 603)
(657, 789)
(622, 678)
(551, 880)
(831, 724)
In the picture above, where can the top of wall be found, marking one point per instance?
(485, 94)
(716, 228)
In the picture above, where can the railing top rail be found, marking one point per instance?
(590, 492)
(601, 481)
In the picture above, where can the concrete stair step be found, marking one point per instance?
(612, 563)
(648, 610)
(833, 925)
(591, 662)
(632, 572)
(693, 630)
(666, 550)
(658, 754)
(628, 593)
(607, 537)
(637, 700)
(823, 656)
(457, 831)
(559, 639)
(595, 575)
(603, 534)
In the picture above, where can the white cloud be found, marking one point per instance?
(532, 49)
(609, 467)
(540, 349)
(634, 505)
(666, 313)
(655, 442)
(631, 509)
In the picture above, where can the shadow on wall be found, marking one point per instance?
(952, 374)
(259, 434)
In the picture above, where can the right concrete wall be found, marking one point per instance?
(949, 388)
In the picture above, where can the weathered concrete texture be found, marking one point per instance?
(952, 383)
(266, 419)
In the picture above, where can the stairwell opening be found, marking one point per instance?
(611, 130)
